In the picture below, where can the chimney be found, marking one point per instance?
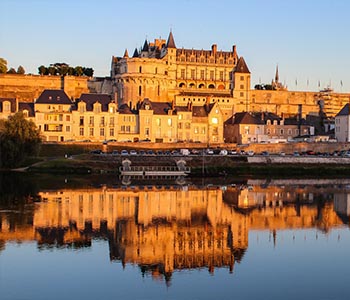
(214, 48)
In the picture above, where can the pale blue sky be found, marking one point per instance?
(307, 39)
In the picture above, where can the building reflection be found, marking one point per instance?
(167, 229)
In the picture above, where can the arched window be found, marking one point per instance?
(211, 86)
(140, 90)
(25, 113)
(201, 86)
(182, 85)
(192, 85)
(221, 87)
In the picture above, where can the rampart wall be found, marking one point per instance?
(26, 88)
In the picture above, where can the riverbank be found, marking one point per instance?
(203, 166)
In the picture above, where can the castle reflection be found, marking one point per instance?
(169, 228)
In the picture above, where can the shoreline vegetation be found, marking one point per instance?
(78, 160)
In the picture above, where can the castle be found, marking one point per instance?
(166, 94)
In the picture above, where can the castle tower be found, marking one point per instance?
(241, 84)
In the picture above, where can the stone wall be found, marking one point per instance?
(287, 102)
(26, 88)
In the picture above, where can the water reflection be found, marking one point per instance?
(167, 228)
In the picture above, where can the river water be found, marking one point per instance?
(69, 238)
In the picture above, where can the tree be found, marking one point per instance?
(20, 70)
(78, 70)
(11, 71)
(89, 72)
(3, 65)
(19, 138)
(51, 70)
(43, 70)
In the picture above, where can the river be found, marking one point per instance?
(96, 238)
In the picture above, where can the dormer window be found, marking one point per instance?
(25, 113)
(82, 107)
(7, 106)
(147, 107)
(97, 107)
(50, 97)
(58, 98)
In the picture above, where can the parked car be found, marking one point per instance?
(209, 151)
(223, 152)
(133, 152)
(124, 152)
(96, 152)
(250, 152)
(115, 152)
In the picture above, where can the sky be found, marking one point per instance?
(307, 39)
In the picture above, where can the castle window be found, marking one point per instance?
(182, 85)
(241, 86)
(170, 122)
(81, 131)
(140, 90)
(156, 71)
(81, 121)
(140, 69)
(67, 128)
(212, 77)
(182, 73)
(91, 131)
(241, 94)
(241, 78)
(91, 121)
(193, 74)
(221, 75)
(202, 74)
(102, 132)
(111, 131)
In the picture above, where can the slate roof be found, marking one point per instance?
(241, 66)
(344, 111)
(12, 102)
(90, 99)
(27, 106)
(171, 42)
(125, 109)
(159, 108)
(246, 118)
(53, 97)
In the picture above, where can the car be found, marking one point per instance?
(296, 153)
(115, 152)
(124, 152)
(150, 152)
(96, 152)
(142, 152)
(282, 153)
(265, 153)
(232, 152)
(209, 151)
(133, 152)
(111, 141)
(250, 152)
(223, 152)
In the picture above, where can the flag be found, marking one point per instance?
(296, 82)
(319, 84)
(307, 82)
(341, 82)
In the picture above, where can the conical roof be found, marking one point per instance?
(136, 53)
(145, 46)
(126, 54)
(170, 43)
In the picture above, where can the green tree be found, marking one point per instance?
(11, 71)
(20, 70)
(89, 72)
(51, 70)
(19, 139)
(3, 65)
(78, 71)
(43, 70)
